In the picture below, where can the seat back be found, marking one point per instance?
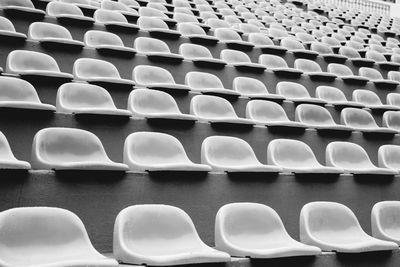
(330, 94)
(347, 155)
(203, 80)
(148, 45)
(366, 97)
(292, 90)
(313, 115)
(210, 107)
(21, 61)
(89, 68)
(147, 75)
(357, 118)
(95, 38)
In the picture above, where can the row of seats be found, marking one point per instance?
(75, 149)
(160, 235)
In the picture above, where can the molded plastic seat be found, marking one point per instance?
(353, 159)
(297, 157)
(107, 42)
(297, 93)
(270, 114)
(294, 46)
(23, 7)
(385, 219)
(52, 34)
(156, 26)
(232, 39)
(98, 71)
(355, 57)
(20, 94)
(196, 34)
(215, 109)
(157, 78)
(8, 160)
(371, 100)
(30, 63)
(388, 157)
(114, 20)
(393, 99)
(156, 49)
(278, 65)
(313, 70)
(152, 151)
(345, 73)
(152, 104)
(66, 12)
(200, 55)
(83, 4)
(253, 88)
(263, 42)
(232, 154)
(240, 60)
(334, 227)
(362, 120)
(391, 120)
(155, 13)
(318, 117)
(376, 77)
(120, 7)
(44, 236)
(335, 97)
(160, 235)
(7, 30)
(327, 53)
(70, 149)
(394, 75)
(188, 18)
(207, 83)
(381, 60)
(256, 231)
(80, 98)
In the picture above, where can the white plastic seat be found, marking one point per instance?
(232, 39)
(114, 19)
(215, 109)
(327, 53)
(297, 157)
(385, 219)
(376, 77)
(70, 149)
(23, 7)
(294, 46)
(107, 42)
(120, 7)
(278, 65)
(153, 104)
(256, 231)
(270, 114)
(393, 99)
(30, 63)
(200, 55)
(152, 151)
(335, 97)
(196, 34)
(240, 60)
(98, 71)
(187, 18)
(253, 88)
(391, 120)
(297, 93)
(154, 77)
(371, 100)
(345, 73)
(353, 56)
(318, 117)
(155, 13)
(381, 60)
(7, 30)
(334, 227)
(263, 42)
(160, 235)
(83, 4)
(333, 43)
(353, 159)
(52, 34)
(44, 236)
(394, 75)
(362, 120)
(66, 12)
(388, 157)
(8, 160)
(313, 70)
(157, 26)
(156, 49)
(232, 155)
(80, 98)
(207, 83)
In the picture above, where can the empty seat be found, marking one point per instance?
(196, 34)
(334, 227)
(393, 99)
(67, 13)
(151, 151)
(391, 119)
(120, 7)
(318, 117)
(22, 7)
(335, 97)
(107, 42)
(388, 156)
(52, 34)
(156, 49)
(232, 39)
(362, 120)
(294, 46)
(7, 29)
(189, 18)
(80, 98)
(345, 73)
(253, 88)
(381, 60)
(70, 149)
(83, 4)
(232, 154)
(297, 157)
(353, 159)
(8, 160)
(394, 75)
(263, 42)
(25, 232)
(215, 109)
(297, 93)
(157, 78)
(327, 53)
(313, 70)
(355, 57)
(153, 104)
(114, 20)
(98, 71)
(279, 66)
(240, 60)
(30, 64)
(159, 235)
(155, 13)
(385, 220)
(376, 77)
(157, 27)
(200, 55)
(256, 231)
(207, 83)
(19, 94)
(371, 100)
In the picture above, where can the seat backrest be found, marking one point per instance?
(201, 80)
(86, 68)
(148, 45)
(313, 115)
(95, 38)
(265, 111)
(146, 75)
(394, 75)
(370, 73)
(14, 89)
(339, 69)
(6, 25)
(272, 61)
(59, 9)
(217, 23)
(20, 61)
(349, 52)
(234, 56)
(357, 118)
(291, 43)
(307, 65)
(247, 85)
(366, 97)
(209, 107)
(149, 23)
(224, 34)
(147, 101)
(191, 51)
(388, 154)
(259, 39)
(109, 16)
(321, 48)
(292, 90)
(347, 155)
(151, 12)
(188, 28)
(185, 18)
(42, 31)
(393, 99)
(375, 55)
(20, 3)
(329, 93)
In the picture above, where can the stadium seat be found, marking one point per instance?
(153, 104)
(159, 235)
(254, 89)
(119, 7)
(318, 117)
(7, 29)
(376, 77)
(156, 49)
(353, 159)
(187, 18)
(154, 13)
(8, 160)
(45, 236)
(52, 34)
(207, 83)
(391, 120)
(241, 61)
(385, 221)
(371, 100)
(232, 155)
(294, 46)
(256, 231)
(335, 97)
(196, 34)
(263, 42)
(200, 55)
(157, 152)
(107, 42)
(83, 4)
(34, 64)
(353, 56)
(21, 7)
(327, 53)
(394, 75)
(98, 71)
(313, 70)
(61, 148)
(215, 109)
(232, 39)
(345, 73)
(81, 98)
(297, 157)
(157, 78)
(381, 60)
(114, 20)
(393, 99)
(362, 120)
(297, 93)
(157, 27)
(279, 66)
(68, 13)
(334, 227)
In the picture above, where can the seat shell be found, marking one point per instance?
(385, 221)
